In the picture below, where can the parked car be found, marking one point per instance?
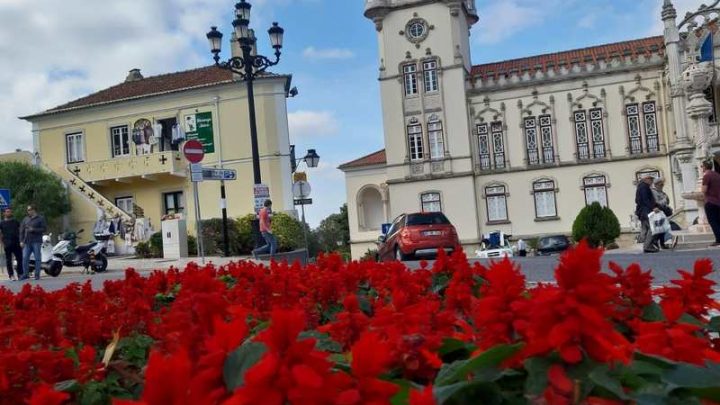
(419, 234)
(553, 244)
(494, 245)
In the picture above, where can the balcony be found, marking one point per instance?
(128, 167)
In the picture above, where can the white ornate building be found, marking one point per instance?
(521, 145)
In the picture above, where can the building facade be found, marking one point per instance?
(119, 150)
(521, 145)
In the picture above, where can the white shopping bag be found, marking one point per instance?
(659, 223)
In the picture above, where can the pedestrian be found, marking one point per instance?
(644, 205)
(32, 229)
(522, 248)
(270, 246)
(663, 202)
(711, 190)
(10, 230)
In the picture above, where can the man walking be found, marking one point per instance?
(32, 229)
(10, 230)
(266, 231)
(711, 190)
(644, 205)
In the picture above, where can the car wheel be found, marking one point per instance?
(399, 255)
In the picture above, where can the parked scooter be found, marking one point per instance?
(92, 257)
(52, 263)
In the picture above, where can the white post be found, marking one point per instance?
(198, 223)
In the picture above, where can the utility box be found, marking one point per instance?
(174, 236)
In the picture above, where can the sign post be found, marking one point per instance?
(194, 153)
(4, 199)
(301, 191)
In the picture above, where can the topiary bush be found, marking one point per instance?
(596, 224)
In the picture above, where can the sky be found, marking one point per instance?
(56, 51)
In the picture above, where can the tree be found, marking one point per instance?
(596, 224)
(32, 185)
(333, 234)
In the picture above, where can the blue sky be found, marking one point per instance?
(74, 47)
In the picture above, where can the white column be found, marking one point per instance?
(672, 50)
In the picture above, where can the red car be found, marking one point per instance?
(418, 234)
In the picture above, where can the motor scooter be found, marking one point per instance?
(92, 256)
(51, 263)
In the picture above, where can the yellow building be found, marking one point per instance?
(118, 149)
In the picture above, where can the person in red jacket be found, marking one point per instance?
(265, 216)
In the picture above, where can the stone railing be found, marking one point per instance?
(130, 166)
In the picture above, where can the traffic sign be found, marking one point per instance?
(303, 201)
(219, 174)
(193, 151)
(301, 189)
(196, 172)
(4, 198)
(299, 176)
(261, 192)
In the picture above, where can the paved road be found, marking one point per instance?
(664, 267)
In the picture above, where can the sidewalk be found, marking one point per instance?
(121, 263)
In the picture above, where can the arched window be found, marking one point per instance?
(491, 145)
(642, 120)
(589, 134)
(544, 196)
(595, 187)
(370, 210)
(539, 140)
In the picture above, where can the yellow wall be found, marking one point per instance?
(120, 177)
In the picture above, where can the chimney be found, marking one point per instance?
(134, 76)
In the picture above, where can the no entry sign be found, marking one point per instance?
(193, 151)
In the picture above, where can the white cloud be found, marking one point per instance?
(502, 19)
(681, 6)
(330, 53)
(308, 124)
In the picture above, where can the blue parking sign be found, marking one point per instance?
(4, 198)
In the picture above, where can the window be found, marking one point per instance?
(649, 124)
(430, 202)
(74, 148)
(589, 134)
(416, 29)
(531, 139)
(174, 202)
(652, 172)
(595, 190)
(548, 151)
(710, 97)
(544, 193)
(410, 75)
(430, 76)
(496, 200)
(435, 137)
(491, 146)
(415, 140)
(120, 141)
(126, 204)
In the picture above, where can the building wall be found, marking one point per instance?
(232, 140)
(363, 238)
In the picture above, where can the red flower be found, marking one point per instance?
(424, 397)
(44, 394)
(635, 290)
(371, 357)
(694, 290)
(560, 388)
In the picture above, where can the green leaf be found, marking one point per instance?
(689, 319)
(537, 380)
(67, 386)
(707, 393)
(689, 376)
(238, 363)
(446, 392)
(490, 359)
(452, 345)
(323, 341)
(714, 325)
(646, 368)
(653, 313)
(402, 396)
(661, 362)
(650, 399)
(601, 377)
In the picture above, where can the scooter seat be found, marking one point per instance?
(85, 248)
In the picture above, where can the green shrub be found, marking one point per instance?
(287, 230)
(192, 246)
(245, 240)
(598, 225)
(142, 250)
(212, 234)
(156, 245)
(370, 256)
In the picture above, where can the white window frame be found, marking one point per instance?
(642, 173)
(435, 139)
(120, 131)
(126, 202)
(430, 76)
(179, 201)
(410, 79)
(431, 201)
(75, 147)
(595, 189)
(496, 195)
(415, 142)
(545, 190)
(498, 144)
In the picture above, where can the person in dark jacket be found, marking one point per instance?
(10, 230)
(32, 229)
(644, 205)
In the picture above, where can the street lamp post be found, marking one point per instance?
(311, 159)
(248, 66)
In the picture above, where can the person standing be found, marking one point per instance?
(663, 202)
(711, 190)
(644, 205)
(10, 230)
(32, 229)
(522, 248)
(270, 246)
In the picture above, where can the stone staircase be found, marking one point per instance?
(93, 196)
(688, 240)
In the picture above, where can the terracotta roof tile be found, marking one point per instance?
(375, 158)
(633, 48)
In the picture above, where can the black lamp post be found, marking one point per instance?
(248, 66)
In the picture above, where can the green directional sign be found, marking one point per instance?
(200, 126)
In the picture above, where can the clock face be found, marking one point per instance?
(416, 30)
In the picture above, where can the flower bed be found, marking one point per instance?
(365, 333)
